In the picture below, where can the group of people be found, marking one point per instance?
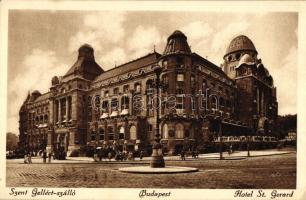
(194, 154)
(28, 157)
(107, 154)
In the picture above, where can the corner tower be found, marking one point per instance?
(237, 48)
(256, 94)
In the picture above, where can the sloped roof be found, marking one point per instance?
(43, 97)
(129, 66)
(209, 64)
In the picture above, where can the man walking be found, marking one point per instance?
(44, 156)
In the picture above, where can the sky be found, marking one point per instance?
(43, 44)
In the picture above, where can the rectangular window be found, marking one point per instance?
(180, 102)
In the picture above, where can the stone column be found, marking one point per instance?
(257, 101)
(105, 131)
(59, 110)
(67, 109)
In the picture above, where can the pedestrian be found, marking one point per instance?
(109, 155)
(183, 155)
(100, 154)
(25, 158)
(44, 156)
(197, 154)
(230, 150)
(141, 155)
(29, 158)
(49, 157)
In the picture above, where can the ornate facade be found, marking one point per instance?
(199, 100)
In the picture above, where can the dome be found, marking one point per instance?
(86, 46)
(86, 51)
(177, 34)
(239, 43)
(246, 59)
(177, 43)
(36, 92)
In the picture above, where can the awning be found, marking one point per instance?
(104, 115)
(124, 112)
(114, 114)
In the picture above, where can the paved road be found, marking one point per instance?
(276, 171)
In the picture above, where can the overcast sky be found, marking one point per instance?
(43, 44)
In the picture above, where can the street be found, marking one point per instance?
(273, 171)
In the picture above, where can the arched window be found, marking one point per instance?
(110, 131)
(133, 135)
(165, 132)
(149, 85)
(105, 106)
(46, 119)
(114, 104)
(101, 134)
(93, 135)
(97, 102)
(121, 132)
(179, 131)
(165, 81)
(214, 102)
(125, 102)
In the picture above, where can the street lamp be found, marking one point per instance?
(157, 160)
(220, 135)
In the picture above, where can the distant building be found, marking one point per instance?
(291, 136)
(93, 107)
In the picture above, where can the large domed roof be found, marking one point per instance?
(239, 43)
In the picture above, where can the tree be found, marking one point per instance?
(285, 124)
(11, 141)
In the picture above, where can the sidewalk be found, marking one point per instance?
(210, 156)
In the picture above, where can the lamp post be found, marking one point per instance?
(157, 160)
(254, 132)
(220, 135)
